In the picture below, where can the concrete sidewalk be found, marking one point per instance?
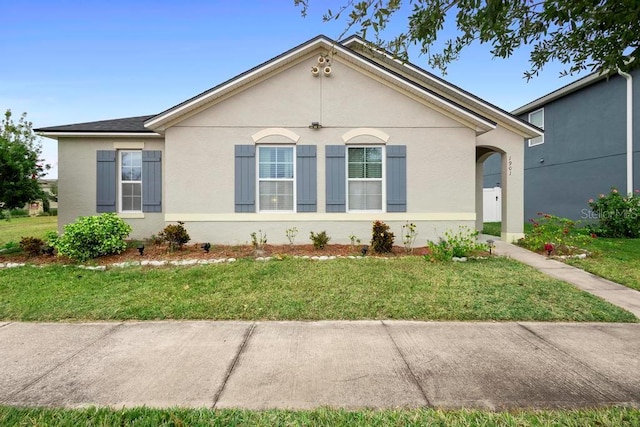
(300, 365)
(624, 297)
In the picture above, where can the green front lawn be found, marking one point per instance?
(493, 228)
(615, 259)
(17, 228)
(607, 417)
(297, 289)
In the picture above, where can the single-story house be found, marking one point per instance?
(591, 143)
(326, 136)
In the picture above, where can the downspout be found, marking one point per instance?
(629, 130)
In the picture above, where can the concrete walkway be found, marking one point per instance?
(302, 365)
(624, 297)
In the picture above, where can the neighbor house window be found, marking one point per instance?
(537, 118)
(364, 166)
(130, 181)
(276, 182)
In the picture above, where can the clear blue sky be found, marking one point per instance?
(68, 61)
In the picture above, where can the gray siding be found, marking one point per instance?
(584, 150)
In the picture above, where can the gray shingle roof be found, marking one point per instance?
(127, 124)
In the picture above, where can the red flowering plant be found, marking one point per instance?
(552, 234)
(618, 215)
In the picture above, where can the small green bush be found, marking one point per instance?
(319, 240)
(32, 246)
(17, 213)
(555, 234)
(93, 236)
(464, 243)
(175, 235)
(10, 248)
(381, 238)
(618, 215)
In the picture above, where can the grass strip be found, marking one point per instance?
(297, 289)
(617, 416)
(615, 259)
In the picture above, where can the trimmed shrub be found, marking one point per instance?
(381, 238)
(93, 236)
(319, 240)
(32, 246)
(618, 215)
(175, 235)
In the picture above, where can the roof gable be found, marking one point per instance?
(481, 123)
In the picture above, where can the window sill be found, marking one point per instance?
(131, 215)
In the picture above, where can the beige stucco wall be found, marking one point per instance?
(77, 181)
(200, 153)
(198, 160)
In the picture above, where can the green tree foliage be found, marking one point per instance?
(20, 165)
(598, 35)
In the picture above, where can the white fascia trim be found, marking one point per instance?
(105, 134)
(444, 84)
(158, 120)
(277, 132)
(572, 87)
(322, 217)
(365, 132)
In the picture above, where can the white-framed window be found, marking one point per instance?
(536, 118)
(130, 186)
(365, 178)
(276, 178)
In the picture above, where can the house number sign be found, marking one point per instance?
(510, 167)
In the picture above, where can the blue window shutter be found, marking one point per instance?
(335, 178)
(106, 181)
(306, 179)
(151, 181)
(396, 178)
(245, 178)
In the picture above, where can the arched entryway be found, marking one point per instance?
(512, 184)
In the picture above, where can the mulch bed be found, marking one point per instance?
(195, 251)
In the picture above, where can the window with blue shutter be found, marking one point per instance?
(139, 187)
(364, 177)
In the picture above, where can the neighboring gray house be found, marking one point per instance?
(326, 136)
(589, 145)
